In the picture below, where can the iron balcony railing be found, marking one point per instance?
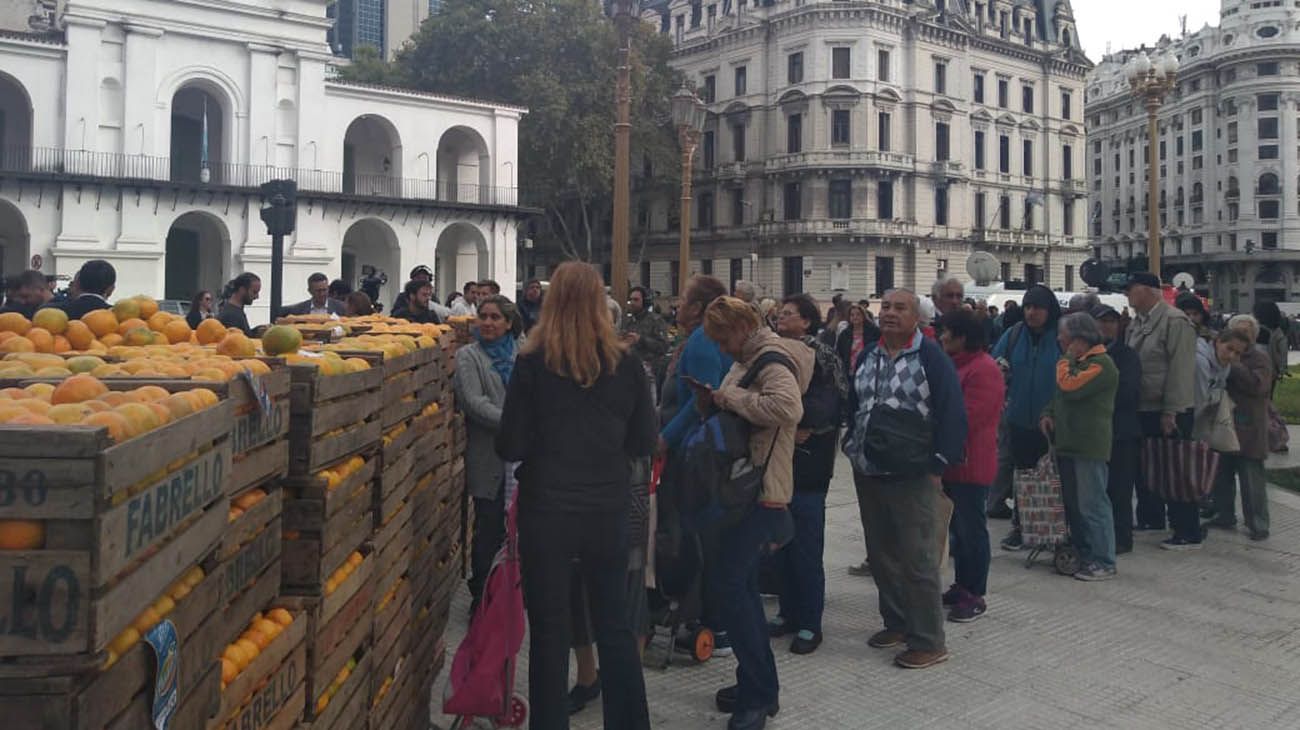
(117, 167)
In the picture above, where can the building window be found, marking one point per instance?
(885, 199)
(941, 142)
(793, 205)
(794, 133)
(884, 274)
(1267, 69)
(977, 87)
(1067, 162)
(1198, 140)
(1069, 277)
(1028, 222)
(979, 150)
(738, 142)
(1027, 99)
(1027, 157)
(1268, 128)
(706, 149)
(882, 65)
(941, 205)
(882, 131)
(1004, 154)
(1267, 184)
(840, 126)
(706, 267)
(792, 274)
(1197, 116)
(645, 273)
(709, 91)
(1268, 102)
(1232, 133)
(1003, 93)
(735, 272)
(706, 210)
(980, 221)
(741, 75)
(840, 63)
(794, 68)
(1066, 106)
(1067, 219)
(1178, 149)
(1268, 209)
(738, 206)
(1004, 213)
(1268, 239)
(1268, 152)
(940, 77)
(841, 199)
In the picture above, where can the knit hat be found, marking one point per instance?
(1042, 297)
(1188, 300)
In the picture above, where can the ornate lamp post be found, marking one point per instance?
(625, 14)
(688, 115)
(1150, 81)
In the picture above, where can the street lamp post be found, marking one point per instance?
(1150, 81)
(688, 115)
(624, 17)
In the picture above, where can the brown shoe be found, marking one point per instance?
(885, 639)
(915, 659)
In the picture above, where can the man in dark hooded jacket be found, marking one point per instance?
(1028, 351)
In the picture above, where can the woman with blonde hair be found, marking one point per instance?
(1250, 379)
(577, 411)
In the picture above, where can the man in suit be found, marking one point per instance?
(318, 286)
(94, 285)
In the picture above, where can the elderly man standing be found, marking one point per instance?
(948, 294)
(908, 426)
(1165, 342)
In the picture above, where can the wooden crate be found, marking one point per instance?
(278, 704)
(331, 416)
(392, 543)
(122, 523)
(392, 631)
(260, 438)
(257, 695)
(323, 526)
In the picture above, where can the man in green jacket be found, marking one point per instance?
(1078, 418)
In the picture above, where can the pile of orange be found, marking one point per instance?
(324, 700)
(341, 573)
(246, 501)
(388, 597)
(151, 616)
(392, 433)
(261, 631)
(335, 475)
(84, 400)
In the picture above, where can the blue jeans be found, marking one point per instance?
(803, 575)
(1087, 509)
(742, 544)
(968, 536)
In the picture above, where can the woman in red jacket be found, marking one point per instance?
(967, 483)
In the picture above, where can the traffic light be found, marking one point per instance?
(279, 208)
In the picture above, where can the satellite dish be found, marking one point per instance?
(1094, 273)
(983, 268)
(1184, 280)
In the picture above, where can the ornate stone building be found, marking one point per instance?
(1229, 201)
(860, 145)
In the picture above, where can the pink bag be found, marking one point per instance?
(1179, 470)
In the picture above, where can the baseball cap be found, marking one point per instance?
(1101, 311)
(1143, 278)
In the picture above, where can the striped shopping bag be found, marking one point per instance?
(1179, 470)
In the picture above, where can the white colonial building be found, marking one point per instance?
(858, 145)
(139, 130)
(1229, 202)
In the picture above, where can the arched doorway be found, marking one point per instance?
(461, 256)
(198, 141)
(15, 125)
(197, 257)
(15, 246)
(464, 167)
(370, 256)
(372, 157)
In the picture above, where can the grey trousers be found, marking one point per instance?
(1254, 491)
(905, 526)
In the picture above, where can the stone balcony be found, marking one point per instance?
(845, 159)
(840, 227)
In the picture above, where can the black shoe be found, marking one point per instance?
(748, 720)
(725, 700)
(805, 642)
(1123, 549)
(1259, 535)
(953, 595)
(779, 627)
(1013, 541)
(580, 695)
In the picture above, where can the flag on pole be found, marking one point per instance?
(203, 151)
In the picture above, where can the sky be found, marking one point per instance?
(1130, 23)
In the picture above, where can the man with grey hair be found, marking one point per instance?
(1083, 303)
(948, 295)
(1078, 419)
(744, 291)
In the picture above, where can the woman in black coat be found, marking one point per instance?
(855, 338)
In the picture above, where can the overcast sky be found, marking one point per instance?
(1130, 23)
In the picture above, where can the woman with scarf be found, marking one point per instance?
(483, 370)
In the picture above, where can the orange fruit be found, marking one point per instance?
(148, 306)
(42, 391)
(118, 428)
(124, 641)
(210, 331)
(259, 638)
(112, 339)
(115, 398)
(34, 405)
(19, 344)
(179, 404)
(256, 367)
(68, 414)
(236, 344)
(14, 322)
(163, 413)
(280, 616)
(126, 325)
(139, 336)
(149, 393)
(52, 319)
(77, 389)
(157, 320)
(31, 419)
(236, 653)
(268, 627)
(100, 321)
(41, 339)
(61, 344)
(193, 576)
(147, 619)
(78, 334)
(22, 535)
(205, 397)
(125, 309)
(140, 418)
(177, 331)
(251, 650)
(250, 498)
(229, 670)
(163, 605)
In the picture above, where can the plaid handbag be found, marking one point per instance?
(1179, 470)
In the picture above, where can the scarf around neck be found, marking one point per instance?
(502, 353)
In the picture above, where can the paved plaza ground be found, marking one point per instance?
(1207, 639)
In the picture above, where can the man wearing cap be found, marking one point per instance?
(419, 273)
(1126, 433)
(1165, 343)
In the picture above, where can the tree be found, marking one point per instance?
(557, 59)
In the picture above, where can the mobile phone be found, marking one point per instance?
(696, 383)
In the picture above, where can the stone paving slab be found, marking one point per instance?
(1207, 639)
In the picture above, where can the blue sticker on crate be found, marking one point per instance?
(166, 651)
(260, 396)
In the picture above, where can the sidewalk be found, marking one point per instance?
(1206, 640)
